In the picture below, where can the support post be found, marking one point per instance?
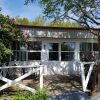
(85, 79)
(41, 77)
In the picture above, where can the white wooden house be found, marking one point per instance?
(57, 47)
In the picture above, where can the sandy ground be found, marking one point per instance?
(58, 88)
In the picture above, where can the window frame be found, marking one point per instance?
(52, 51)
(17, 58)
(92, 51)
(66, 51)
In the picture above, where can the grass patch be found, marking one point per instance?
(26, 95)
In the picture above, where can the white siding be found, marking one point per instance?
(58, 33)
(57, 36)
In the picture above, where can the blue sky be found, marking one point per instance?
(15, 8)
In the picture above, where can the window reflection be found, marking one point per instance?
(34, 56)
(53, 56)
(88, 52)
(53, 46)
(21, 50)
(67, 56)
(67, 46)
(67, 51)
(18, 56)
(34, 45)
(53, 51)
(95, 47)
(15, 45)
(85, 47)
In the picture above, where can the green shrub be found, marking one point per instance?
(26, 95)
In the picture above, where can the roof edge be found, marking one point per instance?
(53, 27)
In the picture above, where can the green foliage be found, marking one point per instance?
(4, 52)
(39, 20)
(85, 12)
(63, 24)
(8, 33)
(23, 21)
(39, 95)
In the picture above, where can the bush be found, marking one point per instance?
(26, 95)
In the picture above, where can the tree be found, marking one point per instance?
(39, 20)
(23, 21)
(86, 12)
(8, 33)
(63, 24)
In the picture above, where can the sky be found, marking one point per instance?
(15, 8)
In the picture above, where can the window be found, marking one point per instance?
(88, 51)
(34, 45)
(95, 47)
(53, 51)
(29, 51)
(19, 53)
(34, 50)
(67, 51)
(34, 55)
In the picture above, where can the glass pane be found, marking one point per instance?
(14, 45)
(34, 45)
(95, 47)
(34, 55)
(53, 46)
(14, 56)
(87, 56)
(18, 45)
(85, 47)
(53, 56)
(67, 56)
(18, 56)
(23, 46)
(67, 46)
(22, 56)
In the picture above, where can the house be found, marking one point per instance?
(58, 48)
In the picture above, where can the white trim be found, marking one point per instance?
(85, 80)
(15, 82)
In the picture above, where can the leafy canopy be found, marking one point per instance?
(86, 12)
(8, 33)
(23, 21)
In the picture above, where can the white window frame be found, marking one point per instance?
(27, 51)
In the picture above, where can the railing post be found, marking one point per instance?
(41, 76)
(10, 82)
(85, 79)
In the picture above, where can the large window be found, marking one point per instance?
(19, 51)
(67, 51)
(26, 51)
(53, 51)
(88, 51)
(34, 50)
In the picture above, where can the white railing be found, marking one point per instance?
(34, 69)
(5, 70)
(85, 79)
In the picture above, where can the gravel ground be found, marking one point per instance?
(72, 95)
(75, 95)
